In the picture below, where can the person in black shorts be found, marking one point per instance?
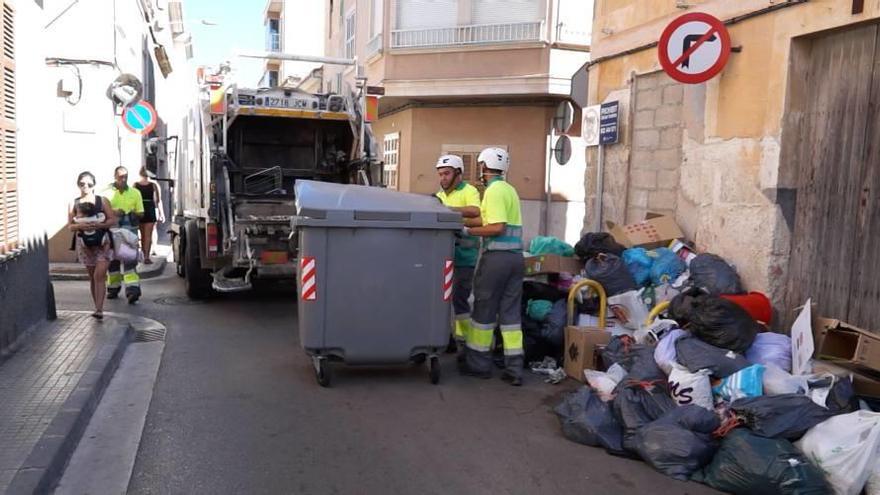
(153, 211)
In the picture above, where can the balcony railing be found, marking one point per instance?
(273, 42)
(374, 46)
(481, 34)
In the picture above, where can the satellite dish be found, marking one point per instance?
(125, 90)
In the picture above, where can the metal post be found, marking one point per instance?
(600, 187)
(548, 187)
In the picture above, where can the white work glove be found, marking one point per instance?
(465, 230)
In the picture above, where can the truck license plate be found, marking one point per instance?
(274, 257)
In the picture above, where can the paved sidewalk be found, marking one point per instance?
(49, 389)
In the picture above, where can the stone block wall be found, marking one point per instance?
(656, 146)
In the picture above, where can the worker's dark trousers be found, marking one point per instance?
(462, 285)
(497, 301)
(118, 273)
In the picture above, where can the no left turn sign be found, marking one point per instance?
(694, 48)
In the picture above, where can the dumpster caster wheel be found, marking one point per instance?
(434, 369)
(322, 372)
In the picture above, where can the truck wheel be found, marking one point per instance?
(198, 281)
(434, 369)
(178, 245)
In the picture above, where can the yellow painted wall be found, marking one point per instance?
(730, 156)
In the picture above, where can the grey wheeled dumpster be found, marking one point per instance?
(374, 275)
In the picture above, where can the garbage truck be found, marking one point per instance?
(242, 151)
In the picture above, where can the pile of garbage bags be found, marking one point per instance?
(711, 399)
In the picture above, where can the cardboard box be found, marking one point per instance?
(846, 345)
(581, 345)
(864, 384)
(655, 231)
(552, 263)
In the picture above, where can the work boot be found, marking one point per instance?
(452, 347)
(113, 292)
(132, 294)
(514, 380)
(466, 370)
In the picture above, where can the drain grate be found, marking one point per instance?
(150, 335)
(177, 301)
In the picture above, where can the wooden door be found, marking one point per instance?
(836, 233)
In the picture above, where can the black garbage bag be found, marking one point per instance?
(553, 329)
(696, 355)
(714, 320)
(679, 443)
(712, 273)
(537, 290)
(786, 416)
(595, 243)
(751, 465)
(638, 403)
(587, 419)
(611, 272)
(636, 359)
(842, 397)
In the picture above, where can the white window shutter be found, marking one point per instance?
(421, 14)
(506, 11)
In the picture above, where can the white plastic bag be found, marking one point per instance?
(778, 381)
(126, 246)
(604, 383)
(845, 448)
(664, 353)
(629, 309)
(872, 486)
(691, 388)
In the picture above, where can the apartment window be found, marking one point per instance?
(350, 23)
(505, 11)
(469, 154)
(273, 36)
(421, 14)
(391, 158)
(376, 17)
(272, 79)
(435, 23)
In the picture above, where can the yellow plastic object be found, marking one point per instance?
(598, 289)
(655, 311)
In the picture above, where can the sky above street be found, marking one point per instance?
(239, 25)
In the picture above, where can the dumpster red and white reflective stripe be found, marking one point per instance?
(309, 282)
(447, 281)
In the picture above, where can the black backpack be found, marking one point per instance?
(96, 237)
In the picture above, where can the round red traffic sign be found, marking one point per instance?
(694, 48)
(140, 118)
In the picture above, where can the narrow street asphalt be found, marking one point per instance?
(236, 409)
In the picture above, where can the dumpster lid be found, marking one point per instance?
(330, 204)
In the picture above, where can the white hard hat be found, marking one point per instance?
(453, 161)
(495, 158)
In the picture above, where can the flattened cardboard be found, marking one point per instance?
(552, 263)
(580, 350)
(802, 341)
(847, 345)
(655, 231)
(863, 384)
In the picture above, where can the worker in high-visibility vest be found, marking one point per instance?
(499, 275)
(128, 205)
(464, 198)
